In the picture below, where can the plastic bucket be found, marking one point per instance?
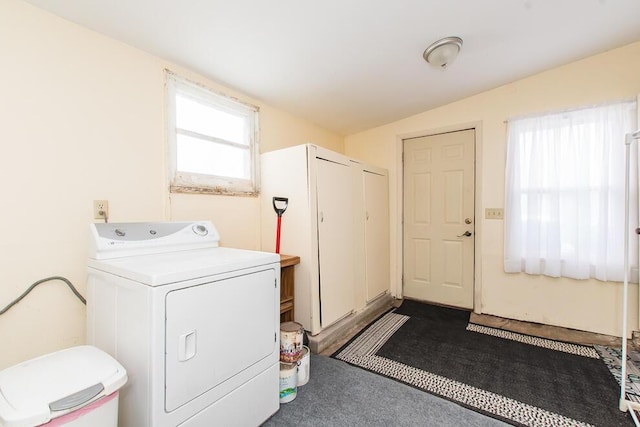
(288, 382)
(303, 367)
(291, 336)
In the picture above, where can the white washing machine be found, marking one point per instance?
(195, 325)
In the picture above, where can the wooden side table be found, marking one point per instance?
(287, 287)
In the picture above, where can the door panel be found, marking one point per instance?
(453, 252)
(453, 196)
(438, 200)
(421, 212)
(335, 240)
(422, 259)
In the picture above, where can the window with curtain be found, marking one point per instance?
(565, 190)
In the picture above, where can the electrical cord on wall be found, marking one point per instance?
(24, 294)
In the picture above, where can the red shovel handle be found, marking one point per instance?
(278, 235)
(279, 205)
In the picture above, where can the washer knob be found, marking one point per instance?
(200, 230)
(119, 232)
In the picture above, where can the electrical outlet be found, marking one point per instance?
(101, 209)
(494, 213)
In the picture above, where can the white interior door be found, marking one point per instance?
(376, 234)
(335, 240)
(439, 218)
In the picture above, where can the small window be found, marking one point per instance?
(213, 141)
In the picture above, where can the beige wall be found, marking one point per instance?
(82, 119)
(586, 305)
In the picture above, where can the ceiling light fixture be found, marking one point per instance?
(443, 52)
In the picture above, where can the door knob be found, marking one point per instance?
(465, 234)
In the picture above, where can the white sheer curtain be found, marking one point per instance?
(564, 208)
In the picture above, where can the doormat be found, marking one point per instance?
(519, 379)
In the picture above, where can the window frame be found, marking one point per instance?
(190, 182)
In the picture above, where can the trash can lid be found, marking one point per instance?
(38, 390)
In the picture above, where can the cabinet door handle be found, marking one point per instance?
(321, 216)
(367, 215)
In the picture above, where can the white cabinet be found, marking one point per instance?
(371, 232)
(376, 232)
(344, 259)
(335, 250)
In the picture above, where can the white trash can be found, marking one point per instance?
(75, 387)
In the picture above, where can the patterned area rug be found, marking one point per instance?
(517, 378)
(612, 359)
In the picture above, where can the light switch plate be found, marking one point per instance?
(494, 213)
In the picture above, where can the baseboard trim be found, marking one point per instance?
(343, 329)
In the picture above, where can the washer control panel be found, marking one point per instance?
(114, 240)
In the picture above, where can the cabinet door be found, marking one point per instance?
(335, 240)
(376, 234)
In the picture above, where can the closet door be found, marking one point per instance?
(335, 240)
(376, 234)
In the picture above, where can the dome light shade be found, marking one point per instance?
(443, 52)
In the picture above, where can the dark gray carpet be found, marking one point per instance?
(339, 394)
(520, 379)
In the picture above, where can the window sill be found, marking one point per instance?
(219, 191)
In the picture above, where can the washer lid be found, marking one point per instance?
(38, 390)
(165, 268)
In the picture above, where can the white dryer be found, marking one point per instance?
(195, 325)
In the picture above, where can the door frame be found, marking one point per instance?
(479, 218)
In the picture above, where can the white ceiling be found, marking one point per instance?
(349, 65)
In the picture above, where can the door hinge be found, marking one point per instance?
(275, 282)
(275, 336)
